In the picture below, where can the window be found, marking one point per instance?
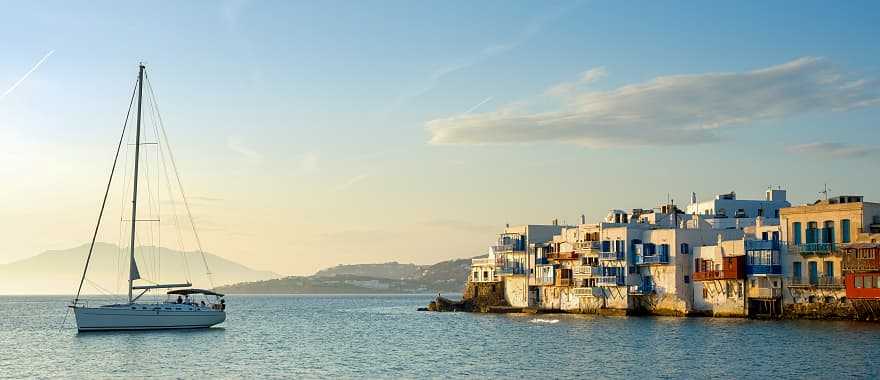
(764, 235)
(828, 232)
(869, 281)
(775, 283)
(753, 283)
(812, 232)
(685, 248)
(687, 279)
(761, 212)
(844, 231)
(796, 232)
(796, 271)
(858, 281)
(776, 213)
(829, 269)
(705, 293)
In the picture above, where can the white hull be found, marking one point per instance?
(146, 317)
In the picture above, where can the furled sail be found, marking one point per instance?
(134, 274)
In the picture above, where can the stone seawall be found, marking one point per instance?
(490, 297)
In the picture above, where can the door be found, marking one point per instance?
(814, 272)
(797, 271)
(829, 269)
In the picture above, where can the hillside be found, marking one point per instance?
(447, 276)
(58, 272)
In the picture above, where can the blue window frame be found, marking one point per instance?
(844, 231)
(796, 232)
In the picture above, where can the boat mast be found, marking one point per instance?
(134, 196)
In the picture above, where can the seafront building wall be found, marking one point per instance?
(790, 263)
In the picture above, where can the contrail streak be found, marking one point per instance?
(474, 108)
(26, 75)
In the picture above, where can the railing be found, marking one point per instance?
(586, 246)
(729, 274)
(503, 248)
(609, 281)
(813, 248)
(818, 282)
(765, 292)
(641, 289)
(540, 260)
(584, 292)
(610, 255)
(651, 260)
(562, 256)
(508, 271)
(752, 270)
(563, 282)
(754, 245)
(586, 271)
(483, 262)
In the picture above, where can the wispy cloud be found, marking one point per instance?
(235, 144)
(26, 75)
(679, 109)
(534, 27)
(351, 182)
(833, 150)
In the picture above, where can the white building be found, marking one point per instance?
(726, 211)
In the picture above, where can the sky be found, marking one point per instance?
(310, 134)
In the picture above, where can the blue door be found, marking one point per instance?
(814, 272)
(797, 272)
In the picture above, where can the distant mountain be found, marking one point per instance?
(392, 270)
(447, 276)
(58, 272)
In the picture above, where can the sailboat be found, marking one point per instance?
(179, 310)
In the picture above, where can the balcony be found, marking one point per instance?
(586, 246)
(509, 271)
(609, 281)
(613, 256)
(709, 275)
(562, 256)
(765, 292)
(638, 290)
(587, 292)
(759, 270)
(660, 259)
(506, 248)
(819, 282)
(483, 262)
(756, 245)
(813, 248)
(586, 271)
(563, 282)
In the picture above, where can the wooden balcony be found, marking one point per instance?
(710, 275)
(766, 293)
(861, 258)
(562, 256)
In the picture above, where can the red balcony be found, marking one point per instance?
(732, 268)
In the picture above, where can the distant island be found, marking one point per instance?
(387, 278)
(59, 271)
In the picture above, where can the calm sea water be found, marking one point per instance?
(384, 336)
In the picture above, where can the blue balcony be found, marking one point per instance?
(753, 270)
(756, 245)
(509, 270)
(658, 259)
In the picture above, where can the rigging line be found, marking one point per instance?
(176, 219)
(104, 201)
(180, 185)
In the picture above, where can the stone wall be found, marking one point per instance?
(483, 295)
(820, 310)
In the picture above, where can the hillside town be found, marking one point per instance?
(725, 256)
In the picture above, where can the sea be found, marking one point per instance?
(384, 336)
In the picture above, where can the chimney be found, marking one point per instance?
(583, 219)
